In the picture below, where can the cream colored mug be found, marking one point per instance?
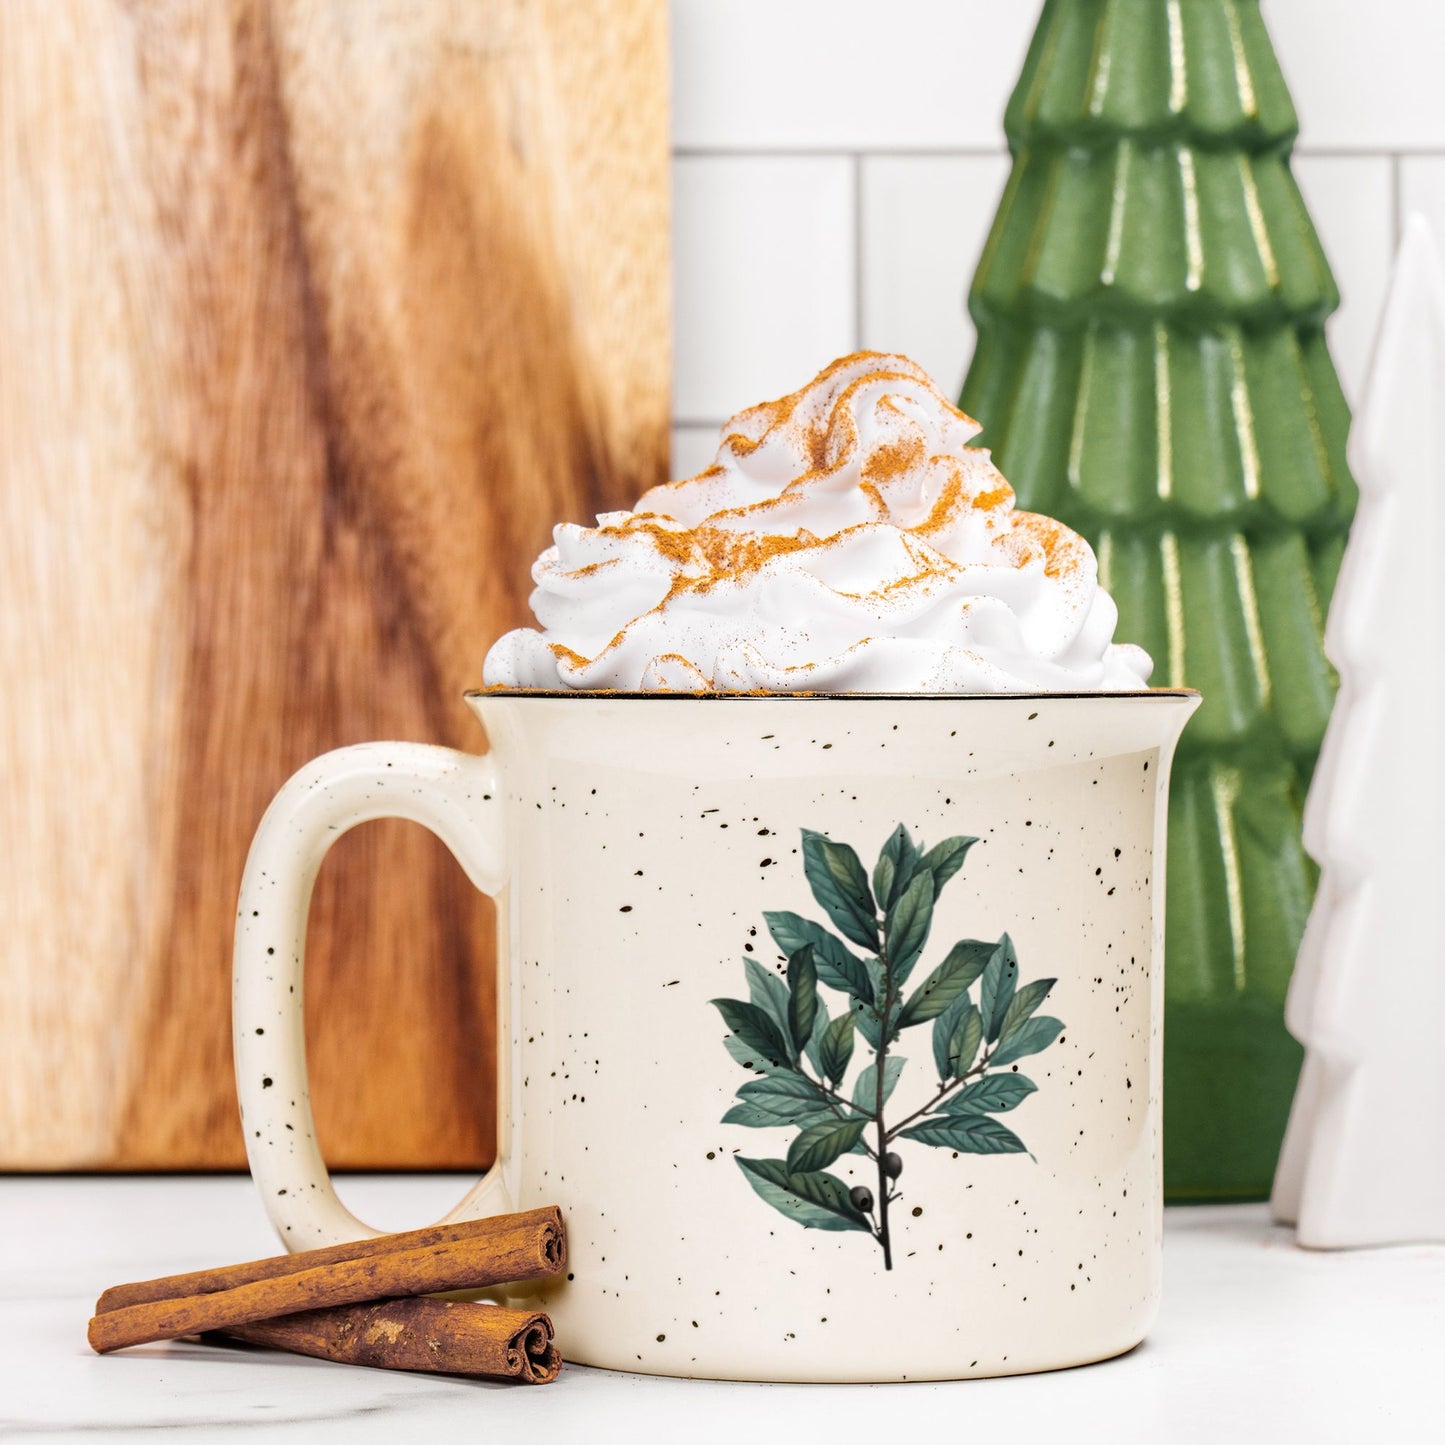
(832, 1023)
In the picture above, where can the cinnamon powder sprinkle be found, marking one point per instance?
(893, 473)
(885, 463)
(1063, 549)
(719, 554)
(712, 553)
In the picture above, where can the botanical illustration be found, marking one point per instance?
(801, 1056)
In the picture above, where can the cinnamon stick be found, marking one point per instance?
(500, 1233)
(438, 1336)
(472, 1255)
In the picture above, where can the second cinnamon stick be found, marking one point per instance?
(437, 1336)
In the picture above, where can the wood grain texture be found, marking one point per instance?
(317, 317)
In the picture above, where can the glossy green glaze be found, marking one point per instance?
(1151, 368)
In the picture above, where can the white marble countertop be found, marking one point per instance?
(1258, 1341)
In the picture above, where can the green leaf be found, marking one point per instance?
(869, 1024)
(749, 1058)
(877, 979)
(967, 1036)
(1031, 1038)
(957, 1033)
(785, 1085)
(836, 966)
(865, 1091)
(820, 1144)
(814, 1200)
(753, 1116)
(943, 1027)
(802, 995)
(779, 1099)
(883, 872)
(908, 924)
(841, 887)
(968, 1133)
(836, 1050)
(992, 1094)
(896, 865)
(944, 859)
(756, 1029)
(1024, 1002)
(767, 992)
(955, 975)
(814, 1050)
(1000, 977)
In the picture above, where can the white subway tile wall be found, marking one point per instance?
(850, 75)
(1365, 74)
(925, 219)
(838, 162)
(765, 276)
(1351, 200)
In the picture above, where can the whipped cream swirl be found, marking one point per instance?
(846, 539)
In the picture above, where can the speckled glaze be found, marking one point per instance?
(633, 844)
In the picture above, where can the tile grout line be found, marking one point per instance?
(1362, 153)
(823, 153)
(1302, 151)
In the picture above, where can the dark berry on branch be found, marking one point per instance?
(861, 1197)
(892, 1165)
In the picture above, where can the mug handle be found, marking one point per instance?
(454, 794)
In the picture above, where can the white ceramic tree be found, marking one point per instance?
(1364, 1155)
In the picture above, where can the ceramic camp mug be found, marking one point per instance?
(832, 1023)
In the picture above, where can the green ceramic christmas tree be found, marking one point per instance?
(1151, 368)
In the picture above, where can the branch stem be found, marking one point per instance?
(835, 1099)
(884, 1183)
(938, 1098)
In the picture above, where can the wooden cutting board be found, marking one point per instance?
(316, 317)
